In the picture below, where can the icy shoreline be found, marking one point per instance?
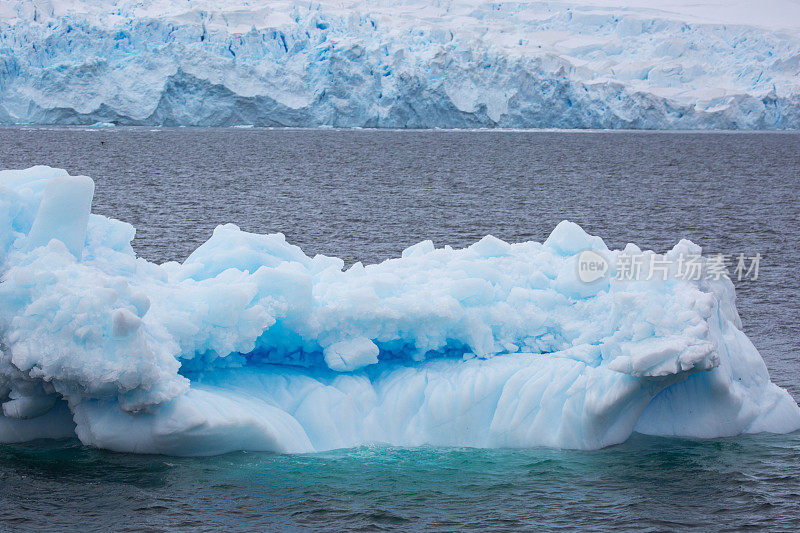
(415, 64)
(251, 344)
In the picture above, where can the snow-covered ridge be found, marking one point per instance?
(588, 64)
(251, 344)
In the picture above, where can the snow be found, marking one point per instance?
(410, 63)
(250, 344)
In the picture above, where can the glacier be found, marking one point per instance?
(250, 344)
(707, 64)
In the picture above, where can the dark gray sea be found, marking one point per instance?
(367, 195)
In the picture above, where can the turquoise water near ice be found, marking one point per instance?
(647, 483)
(366, 195)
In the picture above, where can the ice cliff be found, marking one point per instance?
(251, 344)
(413, 63)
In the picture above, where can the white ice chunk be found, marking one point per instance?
(63, 213)
(351, 354)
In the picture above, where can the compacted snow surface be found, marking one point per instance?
(251, 344)
(407, 63)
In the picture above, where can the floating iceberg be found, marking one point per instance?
(251, 344)
(730, 64)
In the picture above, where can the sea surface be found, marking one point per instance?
(365, 196)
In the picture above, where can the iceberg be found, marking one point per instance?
(250, 344)
(707, 64)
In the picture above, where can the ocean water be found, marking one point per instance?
(365, 196)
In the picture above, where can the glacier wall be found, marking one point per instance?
(406, 64)
(250, 344)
